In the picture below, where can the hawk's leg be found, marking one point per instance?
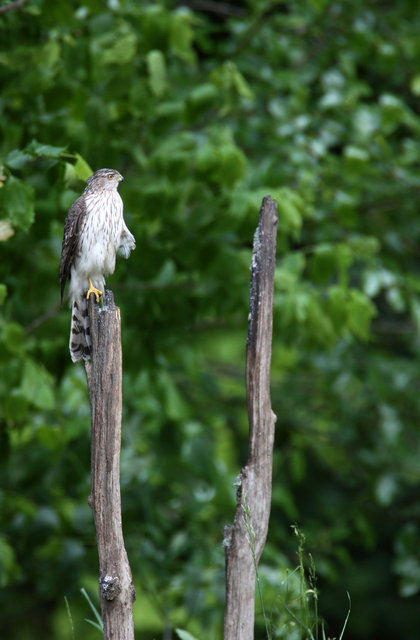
(93, 290)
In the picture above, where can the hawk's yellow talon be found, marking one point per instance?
(93, 290)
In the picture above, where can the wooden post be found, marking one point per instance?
(104, 376)
(245, 539)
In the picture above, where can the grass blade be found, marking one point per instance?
(69, 617)
(99, 624)
(347, 618)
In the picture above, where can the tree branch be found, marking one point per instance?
(211, 6)
(13, 6)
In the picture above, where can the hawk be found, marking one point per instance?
(94, 231)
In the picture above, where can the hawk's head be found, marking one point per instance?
(104, 179)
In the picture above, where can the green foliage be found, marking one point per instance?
(294, 614)
(205, 110)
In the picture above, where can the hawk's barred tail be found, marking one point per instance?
(80, 330)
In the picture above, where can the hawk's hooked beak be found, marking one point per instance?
(121, 178)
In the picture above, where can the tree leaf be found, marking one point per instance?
(6, 230)
(37, 385)
(182, 36)
(17, 159)
(36, 148)
(156, 67)
(361, 312)
(119, 47)
(8, 565)
(82, 168)
(185, 635)
(14, 338)
(17, 203)
(3, 293)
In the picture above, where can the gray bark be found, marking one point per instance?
(245, 539)
(104, 376)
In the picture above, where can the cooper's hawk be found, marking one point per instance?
(93, 233)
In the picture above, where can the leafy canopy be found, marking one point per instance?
(206, 108)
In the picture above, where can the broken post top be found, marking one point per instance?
(109, 299)
(262, 265)
(106, 303)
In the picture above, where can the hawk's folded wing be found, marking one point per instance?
(73, 227)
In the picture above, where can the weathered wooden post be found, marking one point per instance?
(244, 540)
(104, 377)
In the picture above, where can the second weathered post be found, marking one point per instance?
(244, 540)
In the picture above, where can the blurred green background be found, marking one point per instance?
(205, 107)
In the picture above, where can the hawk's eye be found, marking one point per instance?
(110, 176)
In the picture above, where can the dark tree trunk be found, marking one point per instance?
(104, 376)
(244, 540)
